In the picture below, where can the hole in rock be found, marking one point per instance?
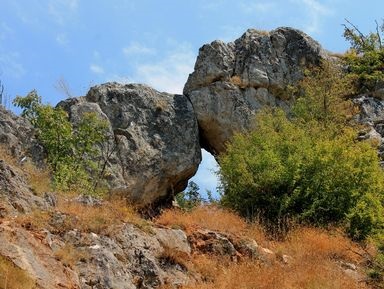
(205, 176)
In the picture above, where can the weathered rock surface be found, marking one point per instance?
(129, 259)
(16, 195)
(17, 137)
(371, 114)
(153, 144)
(232, 81)
(26, 251)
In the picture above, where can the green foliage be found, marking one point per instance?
(189, 198)
(72, 151)
(365, 59)
(308, 167)
(321, 97)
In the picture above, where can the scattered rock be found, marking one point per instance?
(172, 239)
(90, 201)
(206, 241)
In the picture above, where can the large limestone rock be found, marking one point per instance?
(153, 140)
(232, 81)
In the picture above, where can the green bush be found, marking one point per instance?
(283, 170)
(72, 151)
(365, 59)
(189, 198)
(308, 167)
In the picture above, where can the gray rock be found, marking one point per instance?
(232, 81)
(15, 194)
(17, 137)
(128, 259)
(153, 144)
(173, 239)
(29, 253)
(371, 114)
(212, 242)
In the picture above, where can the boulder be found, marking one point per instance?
(232, 81)
(153, 141)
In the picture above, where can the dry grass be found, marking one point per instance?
(309, 243)
(236, 80)
(313, 264)
(101, 219)
(12, 277)
(35, 220)
(208, 217)
(69, 255)
(38, 179)
(173, 257)
(314, 255)
(211, 218)
(98, 219)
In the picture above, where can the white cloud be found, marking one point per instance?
(96, 54)
(170, 73)
(5, 30)
(135, 48)
(62, 39)
(316, 12)
(10, 65)
(97, 69)
(62, 10)
(257, 7)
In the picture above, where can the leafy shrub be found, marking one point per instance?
(308, 167)
(190, 198)
(365, 59)
(72, 151)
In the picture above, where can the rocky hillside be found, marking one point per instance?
(50, 240)
(55, 240)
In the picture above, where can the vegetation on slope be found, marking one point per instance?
(72, 152)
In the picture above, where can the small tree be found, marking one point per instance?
(365, 59)
(72, 151)
(189, 198)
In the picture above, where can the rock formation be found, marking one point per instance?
(154, 143)
(17, 137)
(232, 81)
(19, 145)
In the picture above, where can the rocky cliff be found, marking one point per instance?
(154, 140)
(232, 81)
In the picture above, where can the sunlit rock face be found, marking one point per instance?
(153, 140)
(232, 81)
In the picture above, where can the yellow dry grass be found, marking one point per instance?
(211, 218)
(12, 277)
(38, 179)
(69, 255)
(98, 219)
(314, 255)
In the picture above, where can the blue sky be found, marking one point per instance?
(83, 42)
